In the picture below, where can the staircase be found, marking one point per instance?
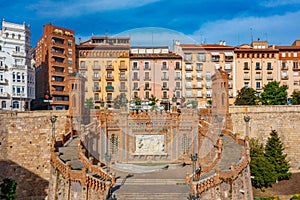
(167, 184)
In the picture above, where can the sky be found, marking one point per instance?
(160, 22)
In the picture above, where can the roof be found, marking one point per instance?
(205, 46)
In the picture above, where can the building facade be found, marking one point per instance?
(55, 61)
(289, 66)
(17, 78)
(104, 62)
(199, 63)
(155, 71)
(256, 65)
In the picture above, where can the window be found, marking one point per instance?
(96, 65)
(296, 82)
(18, 77)
(177, 85)
(188, 93)
(257, 66)
(165, 85)
(269, 66)
(96, 96)
(122, 86)
(208, 93)
(147, 95)
(70, 61)
(82, 64)
(0, 48)
(295, 54)
(199, 66)
(199, 75)
(135, 65)
(215, 58)
(201, 57)
(227, 66)
(188, 57)
(199, 93)
(135, 86)
(164, 65)
(177, 65)
(284, 66)
(17, 49)
(147, 65)
(208, 85)
(208, 76)
(165, 95)
(296, 74)
(246, 84)
(295, 65)
(70, 52)
(147, 76)
(164, 76)
(177, 75)
(96, 75)
(96, 85)
(188, 67)
(3, 104)
(283, 54)
(217, 66)
(188, 75)
(246, 66)
(258, 85)
(109, 74)
(109, 96)
(69, 43)
(284, 75)
(135, 94)
(188, 84)
(177, 94)
(147, 86)
(135, 75)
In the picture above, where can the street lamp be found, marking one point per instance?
(247, 120)
(53, 120)
(194, 159)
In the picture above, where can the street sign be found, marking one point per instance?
(48, 101)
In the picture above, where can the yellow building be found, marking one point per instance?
(256, 65)
(104, 62)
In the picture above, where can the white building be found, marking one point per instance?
(17, 75)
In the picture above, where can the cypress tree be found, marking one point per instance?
(274, 153)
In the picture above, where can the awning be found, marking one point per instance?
(228, 53)
(215, 53)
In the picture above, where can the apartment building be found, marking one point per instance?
(289, 66)
(155, 71)
(55, 61)
(256, 65)
(200, 62)
(104, 62)
(17, 78)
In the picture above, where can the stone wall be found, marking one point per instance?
(284, 119)
(25, 141)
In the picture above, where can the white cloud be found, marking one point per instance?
(276, 29)
(275, 3)
(70, 8)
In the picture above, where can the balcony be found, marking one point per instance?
(296, 69)
(109, 67)
(109, 88)
(147, 88)
(4, 94)
(122, 67)
(56, 63)
(136, 89)
(3, 67)
(208, 77)
(147, 67)
(147, 79)
(269, 68)
(165, 97)
(164, 78)
(58, 73)
(199, 68)
(58, 83)
(96, 89)
(4, 81)
(136, 78)
(197, 86)
(96, 78)
(135, 68)
(258, 77)
(122, 78)
(60, 102)
(189, 78)
(58, 54)
(257, 67)
(208, 86)
(178, 68)
(178, 78)
(246, 77)
(188, 68)
(177, 88)
(109, 78)
(59, 92)
(269, 77)
(96, 67)
(229, 86)
(215, 58)
(199, 77)
(284, 77)
(165, 88)
(246, 68)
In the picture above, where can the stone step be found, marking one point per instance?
(130, 181)
(145, 196)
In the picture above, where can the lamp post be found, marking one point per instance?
(247, 120)
(194, 159)
(53, 120)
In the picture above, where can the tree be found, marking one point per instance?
(89, 103)
(274, 153)
(296, 98)
(274, 94)
(261, 169)
(120, 101)
(8, 189)
(152, 100)
(246, 96)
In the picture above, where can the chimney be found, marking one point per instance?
(224, 43)
(221, 42)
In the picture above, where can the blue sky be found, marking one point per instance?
(190, 21)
